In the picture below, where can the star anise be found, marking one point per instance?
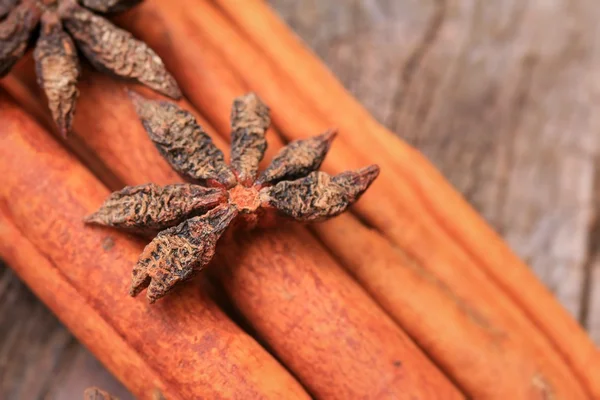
(63, 25)
(191, 217)
(93, 393)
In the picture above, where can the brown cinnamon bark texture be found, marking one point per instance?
(185, 347)
(531, 358)
(461, 335)
(317, 320)
(399, 211)
(311, 80)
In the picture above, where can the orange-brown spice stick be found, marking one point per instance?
(530, 364)
(322, 318)
(311, 79)
(411, 226)
(186, 347)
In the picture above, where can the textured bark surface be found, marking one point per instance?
(499, 96)
(81, 273)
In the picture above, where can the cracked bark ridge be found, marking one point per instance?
(150, 208)
(109, 6)
(94, 393)
(57, 70)
(15, 31)
(182, 142)
(176, 253)
(319, 196)
(249, 122)
(113, 49)
(180, 250)
(297, 159)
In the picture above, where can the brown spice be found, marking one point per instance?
(432, 223)
(94, 393)
(315, 310)
(185, 346)
(107, 47)
(189, 243)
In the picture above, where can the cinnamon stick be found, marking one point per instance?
(398, 210)
(529, 360)
(311, 80)
(185, 347)
(319, 322)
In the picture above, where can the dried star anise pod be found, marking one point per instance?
(191, 217)
(66, 25)
(93, 393)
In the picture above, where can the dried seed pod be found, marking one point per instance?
(249, 122)
(176, 253)
(94, 393)
(298, 159)
(150, 208)
(318, 196)
(110, 48)
(184, 144)
(57, 69)
(109, 6)
(15, 31)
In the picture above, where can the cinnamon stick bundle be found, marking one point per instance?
(312, 81)
(185, 347)
(398, 211)
(309, 312)
(527, 359)
(461, 336)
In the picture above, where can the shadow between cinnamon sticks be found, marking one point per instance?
(397, 210)
(186, 347)
(314, 317)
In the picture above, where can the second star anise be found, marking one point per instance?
(191, 217)
(66, 25)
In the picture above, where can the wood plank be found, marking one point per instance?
(500, 96)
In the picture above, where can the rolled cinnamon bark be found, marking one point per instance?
(310, 79)
(474, 368)
(185, 347)
(398, 210)
(344, 333)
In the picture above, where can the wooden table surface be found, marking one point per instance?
(500, 95)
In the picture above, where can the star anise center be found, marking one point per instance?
(245, 199)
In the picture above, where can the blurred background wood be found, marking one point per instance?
(499, 95)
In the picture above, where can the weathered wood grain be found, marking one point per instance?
(500, 96)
